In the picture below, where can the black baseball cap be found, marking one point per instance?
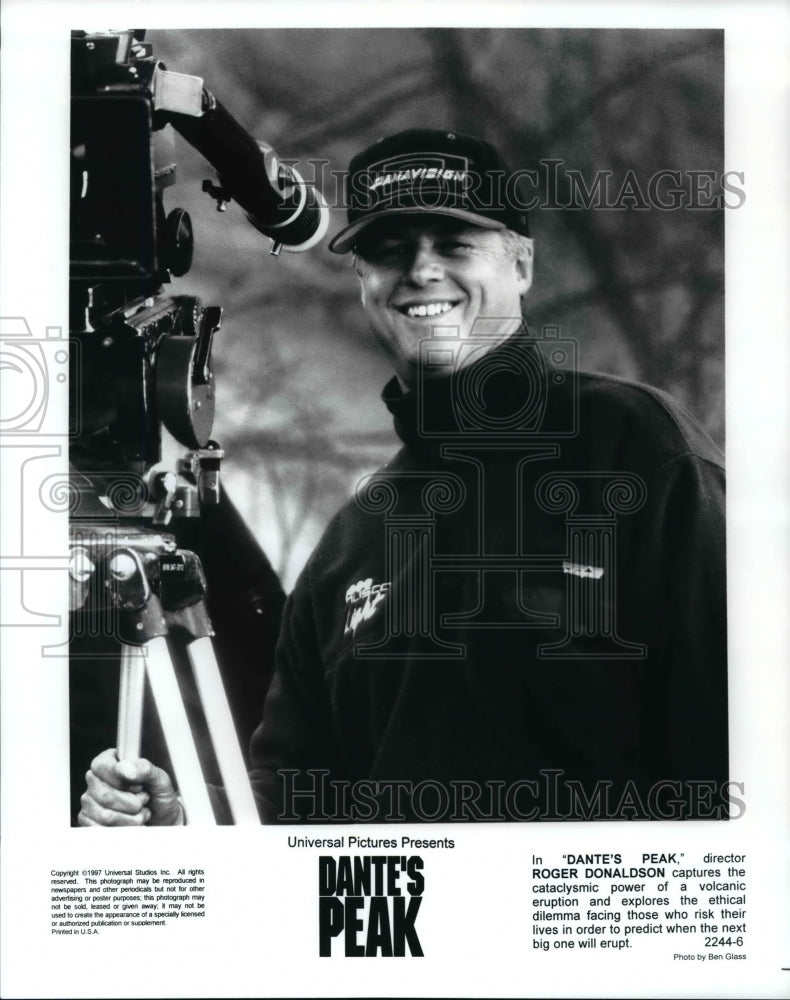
(429, 171)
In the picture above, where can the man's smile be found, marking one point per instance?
(436, 307)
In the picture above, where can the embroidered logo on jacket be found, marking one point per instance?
(577, 569)
(362, 600)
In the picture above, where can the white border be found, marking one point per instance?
(490, 961)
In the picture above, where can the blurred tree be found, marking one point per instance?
(639, 287)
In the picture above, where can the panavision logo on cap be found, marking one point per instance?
(417, 169)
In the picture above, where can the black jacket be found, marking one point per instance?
(522, 616)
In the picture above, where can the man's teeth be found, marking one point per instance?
(429, 309)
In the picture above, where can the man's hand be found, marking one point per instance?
(128, 793)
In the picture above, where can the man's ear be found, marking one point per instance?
(357, 265)
(362, 297)
(523, 264)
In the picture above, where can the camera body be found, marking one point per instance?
(143, 368)
(480, 410)
(145, 382)
(123, 102)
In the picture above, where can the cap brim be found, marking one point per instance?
(346, 238)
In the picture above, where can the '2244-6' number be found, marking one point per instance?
(719, 942)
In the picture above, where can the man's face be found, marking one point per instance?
(428, 271)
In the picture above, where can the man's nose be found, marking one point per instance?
(426, 266)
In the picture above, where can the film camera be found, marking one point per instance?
(144, 355)
(142, 458)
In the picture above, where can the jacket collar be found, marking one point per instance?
(505, 384)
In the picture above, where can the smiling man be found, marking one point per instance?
(415, 275)
(520, 617)
(435, 242)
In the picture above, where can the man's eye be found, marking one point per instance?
(454, 246)
(384, 251)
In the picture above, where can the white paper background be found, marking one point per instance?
(260, 938)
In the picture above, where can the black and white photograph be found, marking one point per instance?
(522, 614)
(369, 557)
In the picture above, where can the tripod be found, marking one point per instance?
(156, 592)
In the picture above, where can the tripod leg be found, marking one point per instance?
(222, 731)
(178, 735)
(130, 701)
